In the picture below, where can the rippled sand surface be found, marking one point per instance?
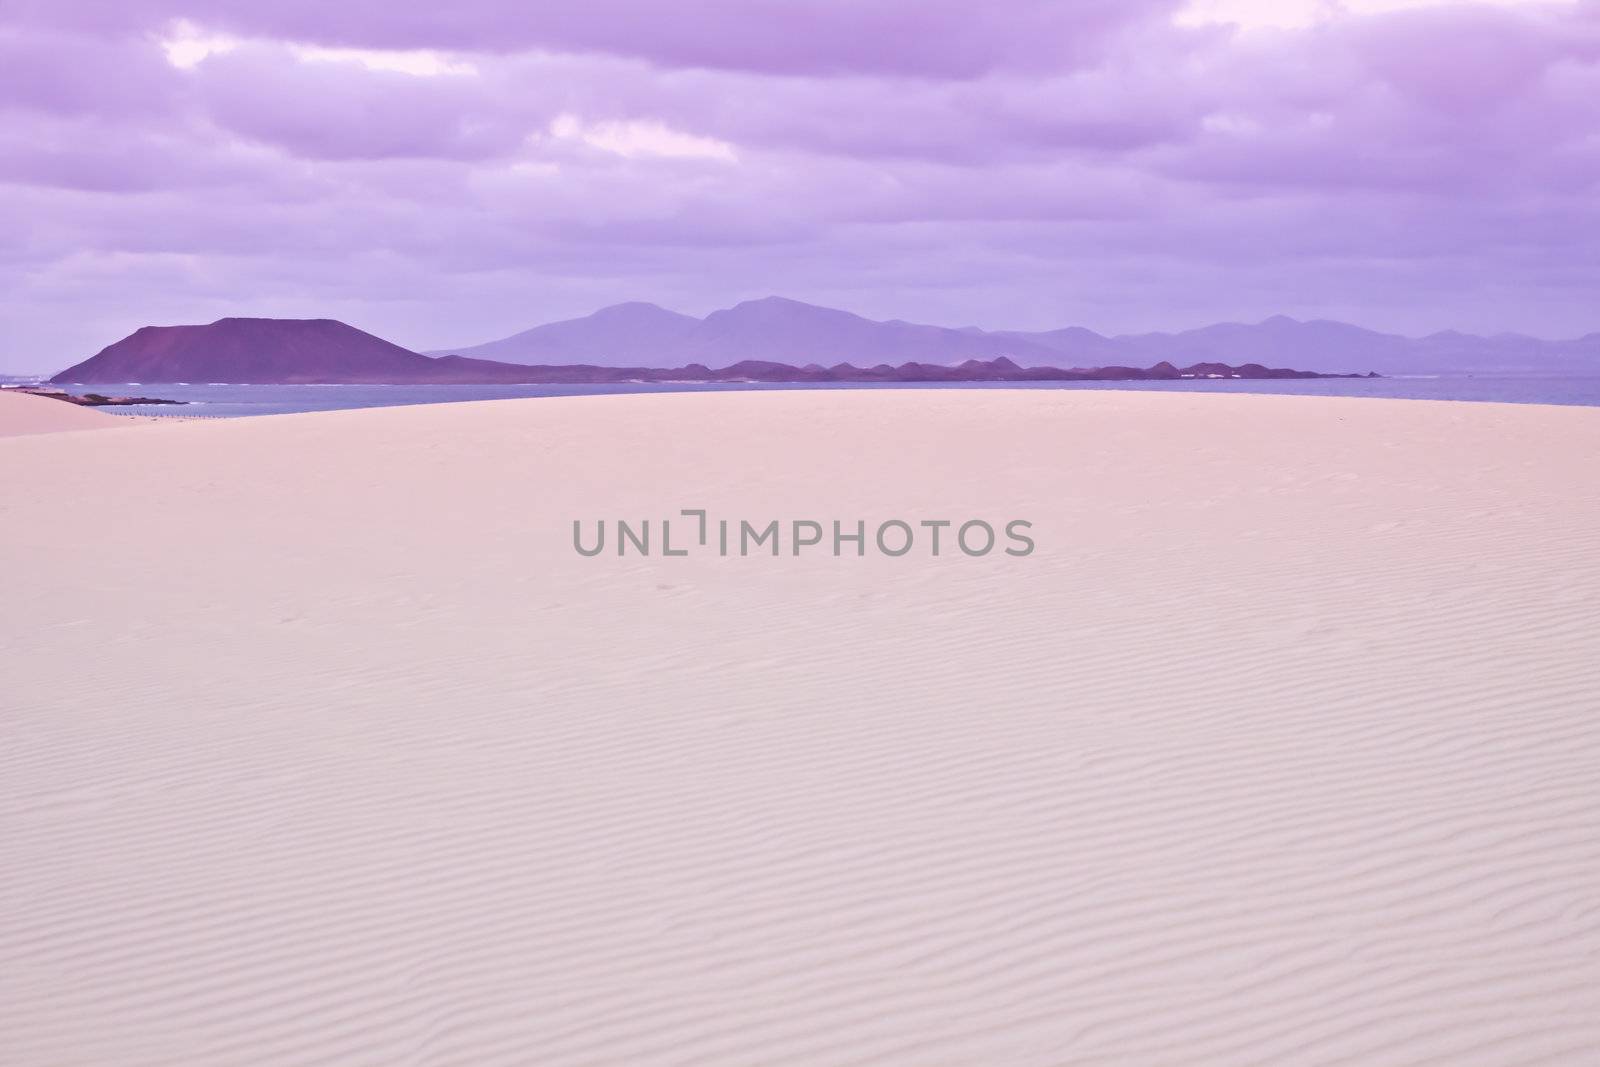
(319, 744)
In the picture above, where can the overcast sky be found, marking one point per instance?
(447, 173)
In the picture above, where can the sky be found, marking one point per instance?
(446, 174)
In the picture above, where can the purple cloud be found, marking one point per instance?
(929, 38)
(443, 174)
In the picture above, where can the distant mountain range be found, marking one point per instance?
(788, 331)
(773, 329)
(803, 341)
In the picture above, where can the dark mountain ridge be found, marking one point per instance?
(252, 352)
(322, 351)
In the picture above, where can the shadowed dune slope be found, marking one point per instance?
(21, 413)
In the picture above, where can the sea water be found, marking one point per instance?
(228, 401)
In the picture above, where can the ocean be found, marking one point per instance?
(231, 401)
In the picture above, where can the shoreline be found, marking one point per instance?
(237, 401)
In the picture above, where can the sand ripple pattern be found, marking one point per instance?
(318, 745)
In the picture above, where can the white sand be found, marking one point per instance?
(321, 745)
(23, 413)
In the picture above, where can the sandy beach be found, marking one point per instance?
(320, 744)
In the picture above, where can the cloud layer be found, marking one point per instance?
(444, 174)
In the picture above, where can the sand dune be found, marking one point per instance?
(21, 414)
(322, 746)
